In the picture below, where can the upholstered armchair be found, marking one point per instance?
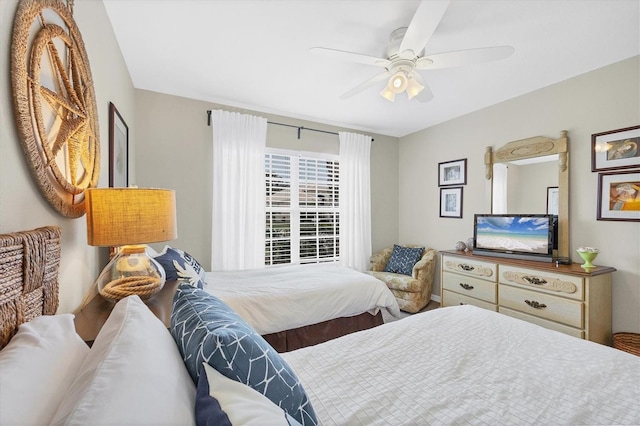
(413, 292)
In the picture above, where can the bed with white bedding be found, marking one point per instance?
(466, 365)
(284, 303)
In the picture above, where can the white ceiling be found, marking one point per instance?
(255, 54)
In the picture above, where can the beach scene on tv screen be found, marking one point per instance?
(513, 233)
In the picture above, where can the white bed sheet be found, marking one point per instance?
(290, 296)
(465, 365)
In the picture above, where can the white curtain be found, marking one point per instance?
(355, 200)
(238, 216)
(499, 202)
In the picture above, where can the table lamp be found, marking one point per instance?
(129, 218)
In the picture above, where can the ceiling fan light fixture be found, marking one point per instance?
(398, 82)
(413, 88)
(388, 94)
(406, 52)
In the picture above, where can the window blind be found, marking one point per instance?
(302, 202)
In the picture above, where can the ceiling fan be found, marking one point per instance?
(405, 56)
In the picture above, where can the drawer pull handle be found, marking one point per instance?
(466, 286)
(535, 280)
(535, 304)
(466, 267)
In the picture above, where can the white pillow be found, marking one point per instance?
(134, 375)
(37, 368)
(241, 404)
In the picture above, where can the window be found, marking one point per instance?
(302, 208)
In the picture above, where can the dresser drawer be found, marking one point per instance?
(542, 305)
(470, 286)
(483, 270)
(544, 281)
(449, 298)
(571, 331)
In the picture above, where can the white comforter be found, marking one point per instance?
(285, 297)
(465, 365)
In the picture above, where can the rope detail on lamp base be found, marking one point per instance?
(143, 286)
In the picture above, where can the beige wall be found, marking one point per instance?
(22, 206)
(174, 150)
(604, 99)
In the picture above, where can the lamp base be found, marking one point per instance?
(131, 272)
(127, 286)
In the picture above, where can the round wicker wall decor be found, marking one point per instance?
(54, 103)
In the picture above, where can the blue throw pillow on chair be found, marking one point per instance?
(403, 259)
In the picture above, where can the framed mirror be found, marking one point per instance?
(531, 176)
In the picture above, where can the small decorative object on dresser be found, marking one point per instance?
(460, 246)
(469, 243)
(588, 254)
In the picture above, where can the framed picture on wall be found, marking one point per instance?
(452, 173)
(619, 196)
(615, 149)
(118, 149)
(451, 202)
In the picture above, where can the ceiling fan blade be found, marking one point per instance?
(351, 56)
(364, 86)
(422, 26)
(425, 94)
(464, 57)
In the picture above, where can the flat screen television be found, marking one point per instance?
(518, 236)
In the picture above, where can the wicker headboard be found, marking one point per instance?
(29, 263)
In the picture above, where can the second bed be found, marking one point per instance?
(294, 306)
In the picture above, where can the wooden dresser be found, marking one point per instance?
(564, 298)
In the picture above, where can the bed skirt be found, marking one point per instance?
(289, 340)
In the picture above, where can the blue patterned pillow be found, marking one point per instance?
(207, 330)
(402, 259)
(179, 265)
(221, 401)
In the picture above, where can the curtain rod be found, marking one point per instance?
(300, 128)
